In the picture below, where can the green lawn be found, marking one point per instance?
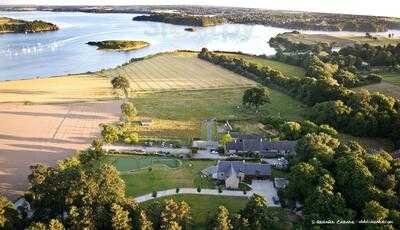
(178, 115)
(287, 69)
(127, 163)
(160, 177)
(203, 206)
(393, 78)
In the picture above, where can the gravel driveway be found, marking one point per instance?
(266, 189)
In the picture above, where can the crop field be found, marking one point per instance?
(128, 163)
(83, 87)
(174, 71)
(33, 134)
(287, 69)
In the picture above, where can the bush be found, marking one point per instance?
(220, 189)
(195, 150)
(373, 78)
(154, 194)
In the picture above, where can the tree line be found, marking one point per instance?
(357, 112)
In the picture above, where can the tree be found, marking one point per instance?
(240, 223)
(222, 221)
(346, 78)
(9, 217)
(226, 138)
(291, 130)
(144, 223)
(256, 96)
(128, 110)
(303, 178)
(324, 204)
(121, 83)
(175, 215)
(120, 218)
(353, 176)
(37, 226)
(109, 133)
(55, 224)
(374, 211)
(320, 146)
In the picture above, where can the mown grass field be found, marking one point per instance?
(179, 115)
(289, 70)
(145, 181)
(203, 207)
(128, 163)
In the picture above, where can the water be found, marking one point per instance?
(66, 52)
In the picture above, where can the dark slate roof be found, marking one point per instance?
(249, 169)
(280, 145)
(239, 136)
(252, 145)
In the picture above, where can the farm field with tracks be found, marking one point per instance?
(177, 71)
(32, 134)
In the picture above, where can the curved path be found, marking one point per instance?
(213, 192)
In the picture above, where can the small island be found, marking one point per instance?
(190, 29)
(9, 25)
(119, 45)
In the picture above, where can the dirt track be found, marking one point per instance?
(45, 134)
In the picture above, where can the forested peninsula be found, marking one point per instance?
(182, 19)
(9, 25)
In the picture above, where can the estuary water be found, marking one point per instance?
(24, 56)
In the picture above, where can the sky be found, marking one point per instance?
(367, 7)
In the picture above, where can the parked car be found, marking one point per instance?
(275, 199)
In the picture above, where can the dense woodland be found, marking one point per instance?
(179, 19)
(337, 181)
(358, 113)
(20, 26)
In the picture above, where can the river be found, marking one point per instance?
(65, 51)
